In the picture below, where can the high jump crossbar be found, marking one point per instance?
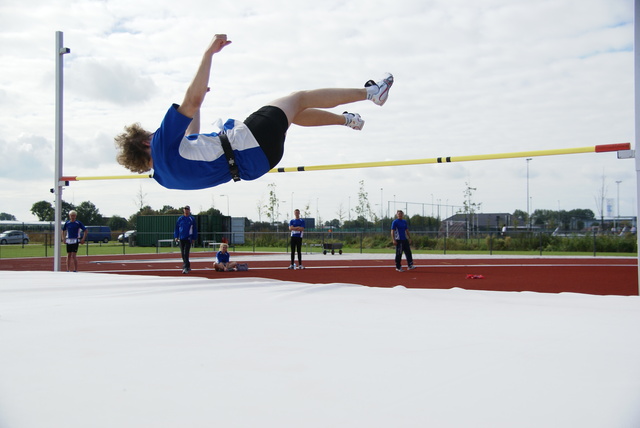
(593, 149)
(554, 152)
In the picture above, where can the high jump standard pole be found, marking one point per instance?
(57, 189)
(636, 34)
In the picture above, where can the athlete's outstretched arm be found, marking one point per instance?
(194, 96)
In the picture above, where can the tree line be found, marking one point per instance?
(89, 214)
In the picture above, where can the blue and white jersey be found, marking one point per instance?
(73, 229)
(297, 223)
(399, 228)
(222, 257)
(198, 161)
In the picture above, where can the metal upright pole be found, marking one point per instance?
(57, 189)
(636, 37)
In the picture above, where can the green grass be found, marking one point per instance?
(39, 250)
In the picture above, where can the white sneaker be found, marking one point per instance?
(399, 270)
(353, 120)
(293, 266)
(300, 267)
(412, 267)
(378, 92)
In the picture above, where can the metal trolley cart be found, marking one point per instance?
(333, 246)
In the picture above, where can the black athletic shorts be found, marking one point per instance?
(269, 127)
(72, 248)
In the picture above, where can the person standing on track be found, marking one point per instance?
(71, 236)
(296, 226)
(401, 240)
(185, 233)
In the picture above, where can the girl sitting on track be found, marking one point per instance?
(222, 263)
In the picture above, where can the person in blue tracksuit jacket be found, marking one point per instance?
(401, 240)
(186, 232)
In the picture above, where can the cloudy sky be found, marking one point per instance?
(472, 77)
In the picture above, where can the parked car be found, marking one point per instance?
(99, 234)
(124, 237)
(14, 237)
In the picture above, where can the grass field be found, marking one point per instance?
(40, 250)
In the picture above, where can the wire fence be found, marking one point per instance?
(532, 242)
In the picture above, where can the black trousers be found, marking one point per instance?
(402, 246)
(185, 247)
(296, 245)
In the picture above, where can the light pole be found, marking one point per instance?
(432, 205)
(618, 202)
(227, 196)
(528, 214)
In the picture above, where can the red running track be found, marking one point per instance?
(590, 275)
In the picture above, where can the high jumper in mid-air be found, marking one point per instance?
(182, 158)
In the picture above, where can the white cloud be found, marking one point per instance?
(471, 78)
(109, 81)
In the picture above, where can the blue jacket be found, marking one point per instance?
(186, 228)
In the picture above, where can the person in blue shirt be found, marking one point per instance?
(296, 226)
(223, 263)
(182, 158)
(185, 233)
(401, 240)
(71, 236)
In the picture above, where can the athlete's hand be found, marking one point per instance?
(219, 41)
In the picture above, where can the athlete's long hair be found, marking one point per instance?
(133, 149)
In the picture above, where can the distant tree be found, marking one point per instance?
(470, 207)
(65, 208)
(600, 198)
(341, 213)
(335, 223)
(89, 214)
(585, 214)
(272, 209)
(521, 216)
(140, 202)
(211, 211)
(260, 208)
(419, 222)
(145, 210)
(363, 209)
(118, 223)
(358, 223)
(5, 216)
(306, 210)
(43, 210)
(168, 209)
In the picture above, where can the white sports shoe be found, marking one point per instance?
(300, 267)
(293, 266)
(353, 120)
(378, 92)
